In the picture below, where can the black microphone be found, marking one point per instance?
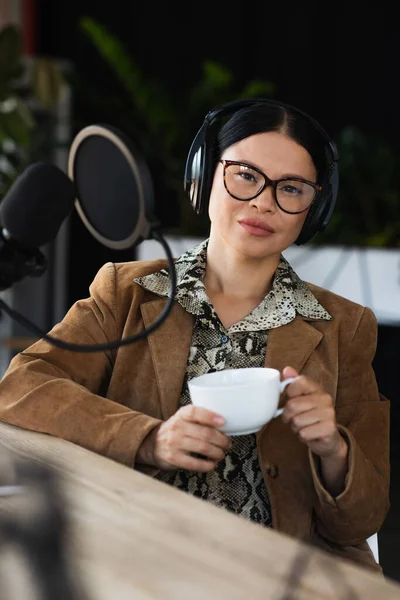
(31, 215)
(111, 187)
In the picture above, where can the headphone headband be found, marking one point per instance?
(234, 106)
(201, 161)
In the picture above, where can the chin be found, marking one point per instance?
(259, 248)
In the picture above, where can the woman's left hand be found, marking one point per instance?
(311, 414)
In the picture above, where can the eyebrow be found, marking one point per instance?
(284, 176)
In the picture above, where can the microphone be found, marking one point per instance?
(110, 185)
(31, 215)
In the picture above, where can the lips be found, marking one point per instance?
(256, 226)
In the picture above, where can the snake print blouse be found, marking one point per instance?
(236, 483)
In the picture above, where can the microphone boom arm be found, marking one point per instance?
(116, 343)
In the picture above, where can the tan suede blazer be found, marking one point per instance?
(109, 401)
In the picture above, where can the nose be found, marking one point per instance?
(265, 202)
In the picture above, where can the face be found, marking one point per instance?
(270, 230)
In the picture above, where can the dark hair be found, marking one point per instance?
(260, 118)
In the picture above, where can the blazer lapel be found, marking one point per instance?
(169, 346)
(287, 346)
(291, 345)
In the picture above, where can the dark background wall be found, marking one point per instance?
(341, 68)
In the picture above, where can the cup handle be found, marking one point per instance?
(283, 384)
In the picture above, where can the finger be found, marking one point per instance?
(202, 447)
(289, 372)
(190, 463)
(310, 417)
(302, 385)
(300, 404)
(317, 431)
(208, 434)
(196, 414)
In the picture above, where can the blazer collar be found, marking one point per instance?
(289, 294)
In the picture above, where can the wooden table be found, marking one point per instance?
(133, 537)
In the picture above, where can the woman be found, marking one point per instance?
(267, 174)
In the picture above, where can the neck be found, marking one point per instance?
(233, 274)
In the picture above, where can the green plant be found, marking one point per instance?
(160, 122)
(367, 211)
(29, 90)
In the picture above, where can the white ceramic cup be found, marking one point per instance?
(246, 398)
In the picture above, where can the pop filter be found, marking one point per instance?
(114, 190)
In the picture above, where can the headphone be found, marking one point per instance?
(201, 160)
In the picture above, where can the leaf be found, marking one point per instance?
(47, 81)
(258, 88)
(149, 98)
(10, 52)
(111, 49)
(15, 127)
(213, 88)
(216, 75)
(3, 136)
(25, 113)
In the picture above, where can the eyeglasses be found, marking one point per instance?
(292, 194)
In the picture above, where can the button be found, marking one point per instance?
(224, 339)
(272, 471)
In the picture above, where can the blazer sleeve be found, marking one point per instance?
(364, 420)
(60, 392)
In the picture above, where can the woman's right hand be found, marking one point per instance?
(190, 430)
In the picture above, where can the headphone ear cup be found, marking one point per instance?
(316, 219)
(194, 170)
(199, 170)
(320, 213)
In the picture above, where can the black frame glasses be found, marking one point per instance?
(272, 182)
